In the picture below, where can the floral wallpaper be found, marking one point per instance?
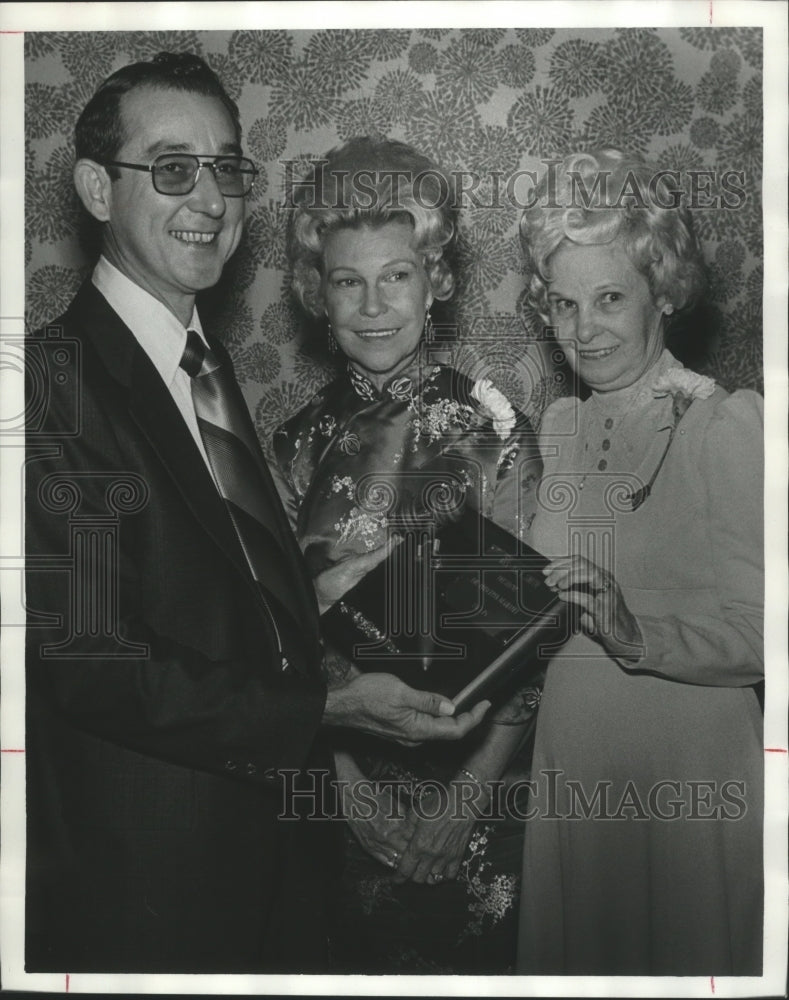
(488, 103)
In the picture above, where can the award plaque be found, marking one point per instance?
(459, 608)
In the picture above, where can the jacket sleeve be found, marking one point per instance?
(723, 644)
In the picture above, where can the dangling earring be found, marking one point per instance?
(427, 333)
(332, 340)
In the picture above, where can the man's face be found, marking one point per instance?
(173, 246)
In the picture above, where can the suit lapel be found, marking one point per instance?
(299, 597)
(153, 409)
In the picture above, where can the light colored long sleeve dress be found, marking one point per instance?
(651, 863)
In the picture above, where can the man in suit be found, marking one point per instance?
(173, 663)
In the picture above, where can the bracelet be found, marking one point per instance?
(473, 778)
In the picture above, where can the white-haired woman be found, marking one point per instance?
(644, 853)
(370, 236)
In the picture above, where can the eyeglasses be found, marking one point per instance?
(177, 173)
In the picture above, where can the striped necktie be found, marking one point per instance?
(240, 471)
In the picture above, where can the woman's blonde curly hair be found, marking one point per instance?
(593, 198)
(370, 182)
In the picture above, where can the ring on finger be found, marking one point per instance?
(393, 859)
(437, 876)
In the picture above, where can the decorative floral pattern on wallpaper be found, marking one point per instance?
(479, 101)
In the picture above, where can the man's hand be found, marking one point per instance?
(383, 705)
(337, 580)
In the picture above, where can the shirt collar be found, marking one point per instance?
(400, 387)
(156, 329)
(640, 393)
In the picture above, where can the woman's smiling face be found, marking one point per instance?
(376, 293)
(604, 315)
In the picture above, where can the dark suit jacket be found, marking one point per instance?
(158, 712)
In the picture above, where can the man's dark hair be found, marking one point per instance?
(99, 133)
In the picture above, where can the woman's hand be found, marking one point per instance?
(605, 616)
(436, 846)
(337, 580)
(380, 827)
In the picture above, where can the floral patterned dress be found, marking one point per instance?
(351, 459)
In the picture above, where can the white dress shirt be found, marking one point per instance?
(158, 333)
